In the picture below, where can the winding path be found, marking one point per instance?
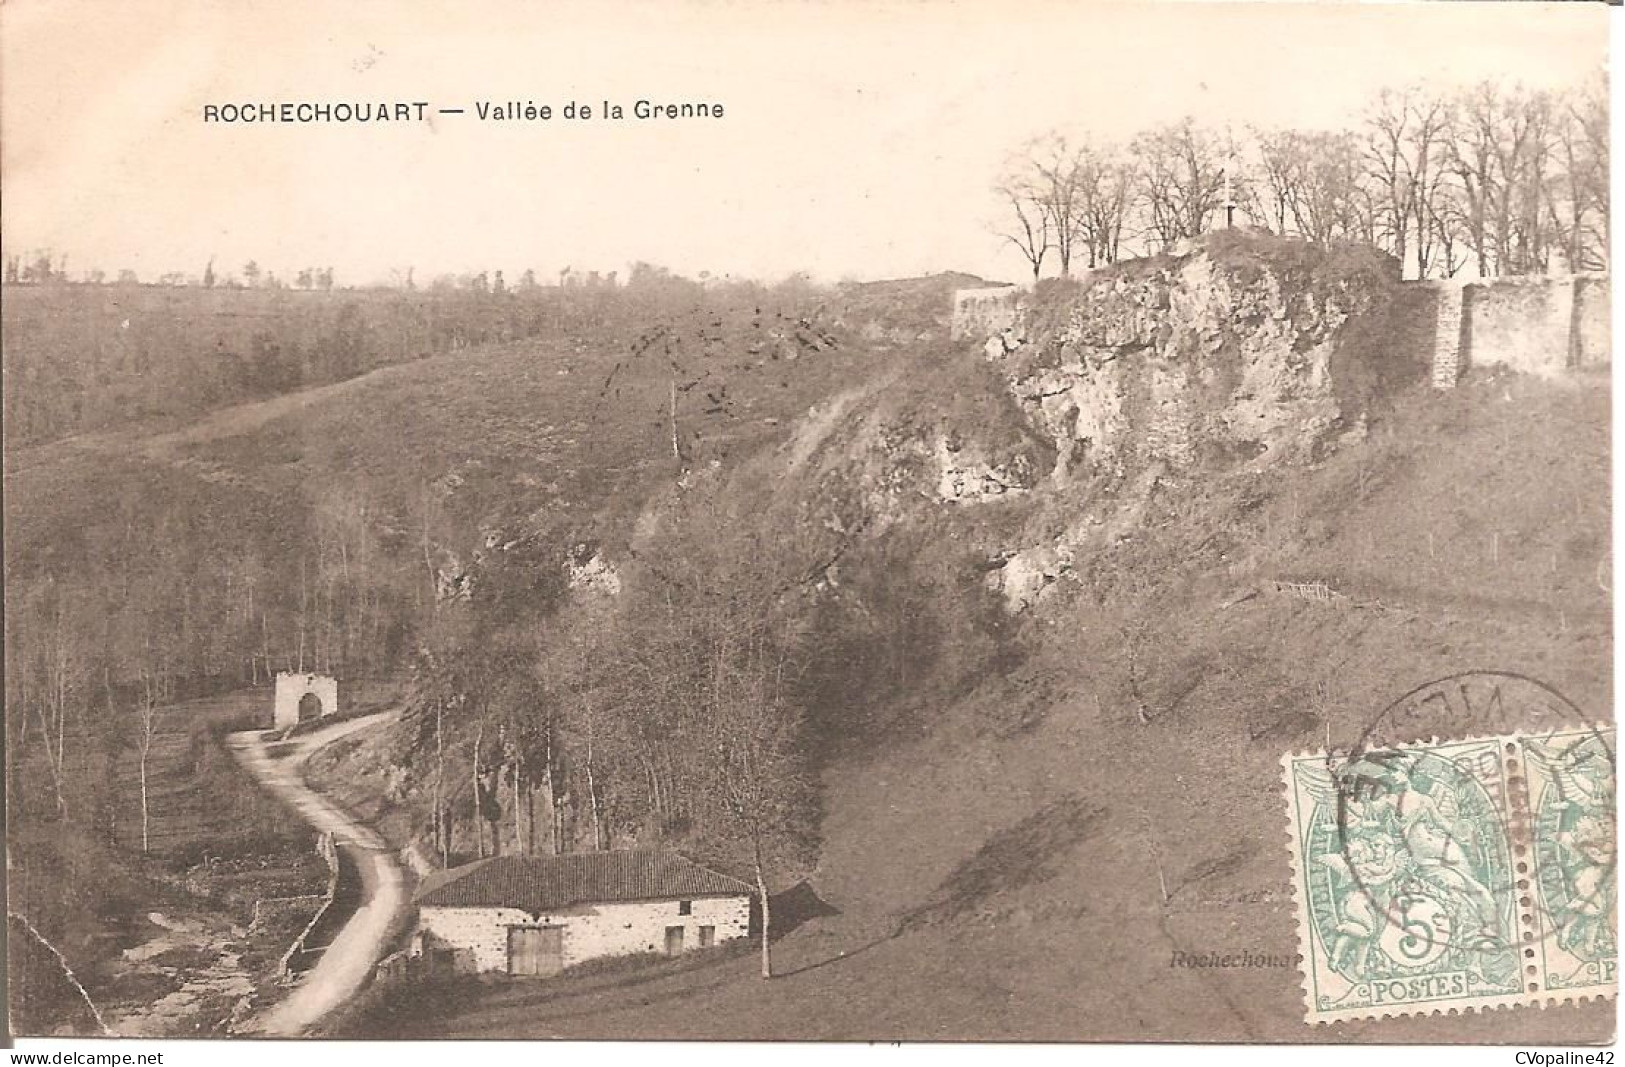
(344, 968)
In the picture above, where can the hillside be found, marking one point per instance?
(1044, 678)
(560, 437)
(168, 558)
(1029, 589)
(999, 874)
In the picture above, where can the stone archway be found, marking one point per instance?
(302, 698)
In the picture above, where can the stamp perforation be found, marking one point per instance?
(1491, 971)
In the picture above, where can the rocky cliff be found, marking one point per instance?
(1247, 349)
(1245, 352)
(1037, 450)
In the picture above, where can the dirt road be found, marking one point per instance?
(345, 966)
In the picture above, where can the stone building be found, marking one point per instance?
(303, 698)
(536, 915)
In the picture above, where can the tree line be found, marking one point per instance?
(1502, 180)
(93, 357)
(132, 582)
(81, 358)
(137, 607)
(46, 267)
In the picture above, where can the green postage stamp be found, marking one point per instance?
(1455, 875)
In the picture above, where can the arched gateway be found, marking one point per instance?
(302, 698)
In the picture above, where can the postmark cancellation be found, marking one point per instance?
(1455, 875)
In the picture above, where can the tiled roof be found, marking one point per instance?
(544, 883)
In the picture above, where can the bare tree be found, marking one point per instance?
(60, 668)
(1057, 176)
(1426, 152)
(476, 793)
(587, 670)
(540, 755)
(1083, 192)
(1029, 227)
(1403, 130)
(1578, 196)
(1335, 203)
(1181, 168)
(1501, 153)
(723, 647)
(67, 971)
(148, 712)
(766, 798)
(743, 730)
(1110, 184)
(1309, 184)
(1281, 162)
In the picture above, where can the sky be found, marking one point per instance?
(859, 140)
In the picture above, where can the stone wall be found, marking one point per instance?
(478, 937)
(1520, 324)
(982, 313)
(1538, 325)
(1593, 316)
(295, 959)
(1449, 321)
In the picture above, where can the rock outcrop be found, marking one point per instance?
(874, 456)
(1228, 354)
(1247, 350)
(590, 572)
(1052, 433)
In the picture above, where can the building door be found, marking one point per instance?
(674, 940)
(535, 949)
(310, 707)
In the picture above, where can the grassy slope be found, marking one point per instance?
(1018, 843)
(551, 430)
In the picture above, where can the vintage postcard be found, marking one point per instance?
(808, 521)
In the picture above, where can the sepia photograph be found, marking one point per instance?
(807, 521)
